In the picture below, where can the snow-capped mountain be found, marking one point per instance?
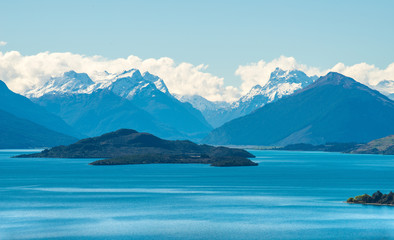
(334, 108)
(159, 83)
(74, 97)
(213, 112)
(70, 82)
(386, 87)
(125, 84)
(202, 103)
(131, 83)
(281, 83)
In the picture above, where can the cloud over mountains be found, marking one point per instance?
(22, 72)
(258, 73)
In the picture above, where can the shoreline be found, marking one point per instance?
(373, 204)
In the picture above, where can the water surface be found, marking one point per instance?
(290, 195)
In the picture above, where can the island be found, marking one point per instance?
(377, 198)
(127, 146)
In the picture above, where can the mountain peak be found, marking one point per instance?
(290, 76)
(131, 83)
(337, 79)
(257, 87)
(132, 73)
(70, 82)
(281, 83)
(278, 72)
(336, 75)
(334, 78)
(82, 78)
(254, 91)
(118, 133)
(159, 83)
(386, 83)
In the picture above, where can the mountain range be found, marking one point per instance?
(334, 108)
(126, 100)
(281, 83)
(290, 108)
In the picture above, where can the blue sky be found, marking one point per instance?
(221, 34)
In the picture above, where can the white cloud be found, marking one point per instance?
(258, 73)
(2, 43)
(24, 72)
(366, 73)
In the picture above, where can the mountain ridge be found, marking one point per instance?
(332, 109)
(18, 133)
(146, 92)
(281, 83)
(24, 108)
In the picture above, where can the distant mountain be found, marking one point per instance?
(162, 105)
(127, 146)
(159, 83)
(386, 87)
(70, 82)
(216, 113)
(22, 107)
(103, 111)
(281, 83)
(379, 146)
(334, 108)
(202, 103)
(147, 93)
(18, 133)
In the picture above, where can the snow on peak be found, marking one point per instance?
(70, 82)
(289, 76)
(256, 90)
(281, 83)
(132, 73)
(130, 83)
(386, 86)
(159, 83)
(202, 103)
(126, 84)
(129, 86)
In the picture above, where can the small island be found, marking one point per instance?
(377, 198)
(127, 146)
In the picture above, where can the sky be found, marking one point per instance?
(229, 45)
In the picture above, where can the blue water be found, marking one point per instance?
(290, 195)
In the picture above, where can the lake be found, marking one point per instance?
(290, 195)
